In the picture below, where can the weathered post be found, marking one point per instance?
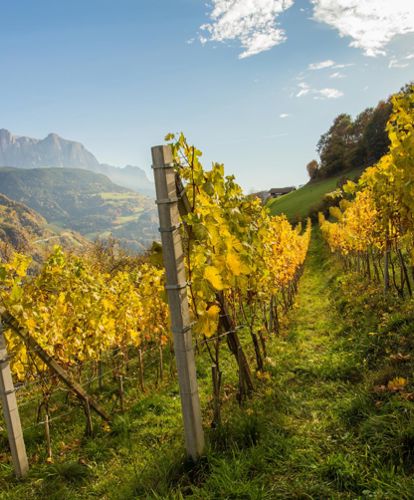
(387, 254)
(176, 286)
(11, 412)
(141, 370)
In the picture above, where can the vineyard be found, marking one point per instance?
(375, 230)
(80, 321)
(289, 348)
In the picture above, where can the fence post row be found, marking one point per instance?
(11, 412)
(176, 287)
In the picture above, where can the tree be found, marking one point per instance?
(375, 137)
(355, 143)
(312, 167)
(333, 146)
(358, 153)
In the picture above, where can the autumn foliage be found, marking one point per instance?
(79, 309)
(374, 231)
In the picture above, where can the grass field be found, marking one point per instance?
(297, 204)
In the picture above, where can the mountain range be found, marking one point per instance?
(54, 151)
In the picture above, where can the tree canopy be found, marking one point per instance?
(353, 143)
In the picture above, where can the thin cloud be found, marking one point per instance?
(274, 136)
(371, 24)
(337, 75)
(342, 66)
(328, 93)
(284, 115)
(321, 65)
(395, 63)
(252, 22)
(300, 76)
(304, 89)
(324, 93)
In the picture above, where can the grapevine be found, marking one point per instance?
(243, 266)
(374, 232)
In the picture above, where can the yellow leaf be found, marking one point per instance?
(234, 264)
(213, 311)
(108, 305)
(207, 322)
(30, 324)
(212, 275)
(397, 383)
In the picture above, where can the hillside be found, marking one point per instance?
(85, 202)
(350, 145)
(306, 200)
(24, 230)
(54, 151)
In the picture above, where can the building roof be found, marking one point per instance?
(282, 190)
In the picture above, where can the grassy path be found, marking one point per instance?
(317, 375)
(300, 440)
(299, 447)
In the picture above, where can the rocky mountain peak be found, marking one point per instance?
(54, 151)
(5, 137)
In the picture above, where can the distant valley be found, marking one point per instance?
(72, 199)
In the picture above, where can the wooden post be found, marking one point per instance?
(176, 286)
(386, 266)
(100, 374)
(88, 416)
(121, 393)
(11, 412)
(242, 386)
(161, 363)
(47, 435)
(216, 378)
(141, 370)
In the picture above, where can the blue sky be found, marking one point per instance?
(117, 75)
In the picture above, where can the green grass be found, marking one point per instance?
(119, 221)
(96, 235)
(297, 204)
(321, 426)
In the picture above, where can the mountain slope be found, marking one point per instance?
(24, 230)
(85, 202)
(54, 151)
